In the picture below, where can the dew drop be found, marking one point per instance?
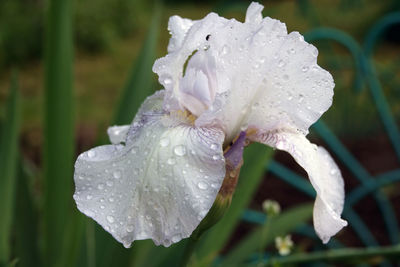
(129, 228)
(91, 154)
(214, 185)
(216, 157)
(110, 219)
(180, 150)
(134, 150)
(109, 183)
(304, 69)
(214, 146)
(171, 161)
(225, 50)
(175, 238)
(281, 63)
(280, 145)
(117, 174)
(301, 98)
(202, 185)
(164, 142)
(89, 197)
(167, 81)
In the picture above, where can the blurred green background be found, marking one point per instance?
(70, 69)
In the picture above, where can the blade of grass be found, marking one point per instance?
(8, 163)
(26, 222)
(256, 157)
(264, 235)
(141, 79)
(58, 150)
(346, 255)
(137, 88)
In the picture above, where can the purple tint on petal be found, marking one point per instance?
(235, 153)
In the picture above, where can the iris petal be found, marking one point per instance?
(323, 173)
(159, 185)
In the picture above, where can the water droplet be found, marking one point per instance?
(175, 238)
(333, 171)
(102, 207)
(110, 219)
(111, 199)
(281, 63)
(117, 174)
(167, 81)
(301, 98)
(216, 157)
(171, 161)
(291, 51)
(129, 228)
(214, 146)
(225, 50)
(280, 145)
(89, 197)
(164, 142)
(180, 150)
(215, 186)
(134, 150)
(202, 185)
(91, 153)
(304, 69)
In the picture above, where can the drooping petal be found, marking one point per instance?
(323, 173)
(266, 78)
(159, 185)
(117, 134)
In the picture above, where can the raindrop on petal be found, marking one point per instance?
(180, 150)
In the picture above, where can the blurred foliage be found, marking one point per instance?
(97, 24)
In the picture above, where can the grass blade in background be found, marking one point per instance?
(26, 223)
(256, 156)
(264, 235)
(58, 154)
(139, 85)
(140, 81)
(8, 160)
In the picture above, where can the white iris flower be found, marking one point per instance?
(160, 176)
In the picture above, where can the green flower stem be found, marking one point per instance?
(346, 254)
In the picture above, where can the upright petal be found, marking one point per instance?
(265, 77)
(323, 173)
(158, 185)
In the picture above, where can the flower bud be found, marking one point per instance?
(271, 207)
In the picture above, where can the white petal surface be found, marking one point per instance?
(323, 173)
(159, 185)
(266, 78)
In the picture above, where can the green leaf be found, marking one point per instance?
(8, 162)
(138, 87)
(26, 221)
(256, 156)
(265, 235)
(58, 153)
(375, 255)
(140, 82)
